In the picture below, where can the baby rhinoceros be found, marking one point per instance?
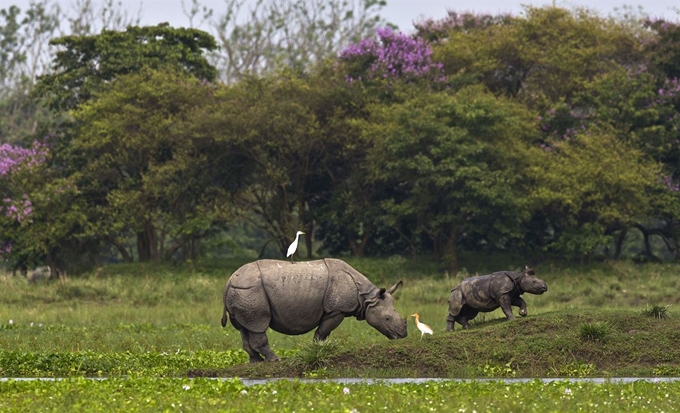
(486, 293)
(297, 297)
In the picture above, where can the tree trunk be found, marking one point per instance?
(412, 246)
(121, 249)
(618, 246)
(359, 249)
(451, 251)
(147, 244)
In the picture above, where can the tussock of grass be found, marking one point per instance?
(597, 331)
(656, 311)
(314, 355)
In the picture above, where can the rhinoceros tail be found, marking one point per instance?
(224, 315)
(224, 310)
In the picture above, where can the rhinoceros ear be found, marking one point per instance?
(528, 270)
(394, 287)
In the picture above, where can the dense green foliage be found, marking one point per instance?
(553, 133)
(145, 394)
(87, 63)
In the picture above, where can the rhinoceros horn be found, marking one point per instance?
(393, 288)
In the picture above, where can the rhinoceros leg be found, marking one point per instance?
(456, 303)
(519, 302)
(260, 343)
(255, 344)
(506, 303)
(327, 325)
(467, 313)
(450, 322)
(245, 339)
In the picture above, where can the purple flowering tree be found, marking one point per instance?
(16, 207)
(39, 210)
(393, 55)
(12, 159)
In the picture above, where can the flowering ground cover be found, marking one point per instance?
(153, 394)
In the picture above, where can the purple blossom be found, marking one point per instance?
(393, 55)
(11, 157)
(18, 210)
(673, 186)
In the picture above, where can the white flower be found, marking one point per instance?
(186, 387)
(40, 325)
(567, 391)
(345, 390)
(31, 323)
(11, 321)
(274, 392)
(244, 392)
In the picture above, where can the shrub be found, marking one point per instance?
(315, 355)
(656, 311)
(597, 331)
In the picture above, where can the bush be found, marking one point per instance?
(315, 355)
(656, 311)
(597, 331)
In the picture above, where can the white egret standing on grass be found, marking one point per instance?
(424, 328)
(293, 247)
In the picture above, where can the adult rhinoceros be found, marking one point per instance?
(486, 293)
(296, 297)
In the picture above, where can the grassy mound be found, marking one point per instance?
(565, 343)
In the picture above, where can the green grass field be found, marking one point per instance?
(147, 324)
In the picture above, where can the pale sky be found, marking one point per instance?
(400, 12)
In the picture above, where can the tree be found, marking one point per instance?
(591, 184)
(455, 161)
(40, 214)
(390, 68)
(151, 165)
(88, 63)
(540, 58)
(297, 139)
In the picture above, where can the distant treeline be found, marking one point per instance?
(551, 133)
